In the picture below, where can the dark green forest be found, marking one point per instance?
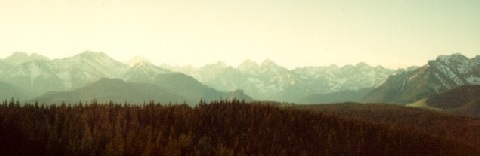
(217, 128)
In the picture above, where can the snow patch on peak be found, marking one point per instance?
(248, 66)
(18, 58)
(453, 57)
(138, 60)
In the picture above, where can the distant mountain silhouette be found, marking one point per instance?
(115, 90)
(37, 75)
(270, 81)
(74, 78)
(18, 58)
(336, 97)
(169, 88)
(8, 91)
(187, 86)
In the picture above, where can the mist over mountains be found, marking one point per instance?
(94, 75)
(270, 81)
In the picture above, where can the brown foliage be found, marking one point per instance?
(219, 128)
(435, 123)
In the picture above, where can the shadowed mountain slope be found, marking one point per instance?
(463, 100)
(442, 74)
(115, 90)
(336, 97)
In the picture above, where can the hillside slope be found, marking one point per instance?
(115, 90)
(8, 91)
(187, 86)
(432, 122)
(444, 73)
(336, 97)
(463, 100)
(224, 128)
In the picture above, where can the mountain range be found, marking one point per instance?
(444, 73)
(94, 75)
(269, 81)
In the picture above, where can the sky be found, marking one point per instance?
(292, 33)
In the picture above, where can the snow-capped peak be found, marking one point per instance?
(21, 57)
(457, 57)
(138, 60)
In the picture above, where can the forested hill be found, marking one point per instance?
(219, 128)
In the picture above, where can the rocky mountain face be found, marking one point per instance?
(143, 71)
(18, 58)
(71, 79)
(38, 75)
(442, 74)
(34, 75)
(269, 81)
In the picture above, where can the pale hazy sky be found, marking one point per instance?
(293, 33)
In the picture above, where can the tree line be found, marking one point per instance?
(218, 128)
